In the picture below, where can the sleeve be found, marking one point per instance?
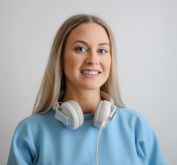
(147, 144)
(22, 150)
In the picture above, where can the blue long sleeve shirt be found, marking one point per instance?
(43, 140)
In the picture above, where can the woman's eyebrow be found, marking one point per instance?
(104, 43)
(83, 42)
(80, 41)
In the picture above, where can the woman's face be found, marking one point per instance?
(87, 58)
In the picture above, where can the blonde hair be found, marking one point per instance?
(53, 83)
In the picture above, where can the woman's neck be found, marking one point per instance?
(87, 99)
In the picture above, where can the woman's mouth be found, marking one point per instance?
(90, 73)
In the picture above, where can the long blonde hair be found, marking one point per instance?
(53, 83)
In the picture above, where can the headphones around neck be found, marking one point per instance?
(71, 115)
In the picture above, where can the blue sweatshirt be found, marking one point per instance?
(43, 140)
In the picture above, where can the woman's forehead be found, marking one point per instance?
(88, 33)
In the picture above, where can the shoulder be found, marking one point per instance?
(128, 112)
(35, 122)
(31, 130)
(134, 121)
(139, 129)
(130, 115)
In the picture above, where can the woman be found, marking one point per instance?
(79, 96)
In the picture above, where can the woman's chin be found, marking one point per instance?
(91, 87)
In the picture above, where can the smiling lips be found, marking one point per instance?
(90, 72)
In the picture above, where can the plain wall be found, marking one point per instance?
(146, 37)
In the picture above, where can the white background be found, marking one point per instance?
(146, 36)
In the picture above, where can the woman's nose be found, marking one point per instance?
(92, 58)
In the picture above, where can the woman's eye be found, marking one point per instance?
(102, 51)
(80, 50)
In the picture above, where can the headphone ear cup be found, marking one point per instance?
(73, 111)
(102, 114)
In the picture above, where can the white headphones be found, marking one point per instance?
(71, 115)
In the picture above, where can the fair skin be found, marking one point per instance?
(86, 64)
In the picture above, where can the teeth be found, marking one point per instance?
(93, 72)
